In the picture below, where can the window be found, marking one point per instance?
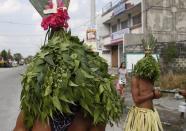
(114, 28)
(124, 24)
(137, 19)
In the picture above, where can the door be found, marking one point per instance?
(115, 56)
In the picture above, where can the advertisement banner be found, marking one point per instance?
(91, 34)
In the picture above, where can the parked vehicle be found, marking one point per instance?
(22, 62)
(14, 64)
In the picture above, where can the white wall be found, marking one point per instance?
(136, 30)
(107, 57)
(132, 59)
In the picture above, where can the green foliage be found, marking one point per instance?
(148, 67)
(28, 59)
(66, 72)
(169, 52)
(4, 54)
(18, 57)
(9, 55)
(150, 43)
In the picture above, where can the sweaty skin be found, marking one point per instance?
(143, 93)
(38, 126)
(79, 124)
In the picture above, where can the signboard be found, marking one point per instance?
(119, 35)
(91, 34)
(132, 59)
(40, 5)
(119, 8)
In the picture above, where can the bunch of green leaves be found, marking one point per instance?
(150, 43)
(64, 73)
(169, 52)
(147, 68)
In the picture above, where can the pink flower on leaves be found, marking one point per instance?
(56, 20)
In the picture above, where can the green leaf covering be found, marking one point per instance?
(66, 72)
(147, 68)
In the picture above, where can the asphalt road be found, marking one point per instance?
(10, 88)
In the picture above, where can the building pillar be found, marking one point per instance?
(144, 11)
(119, 56)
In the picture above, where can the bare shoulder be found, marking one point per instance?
(135, 79)
(135, 82)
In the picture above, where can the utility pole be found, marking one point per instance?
(91, 31)
(93, 12)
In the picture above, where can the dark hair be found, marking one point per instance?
(121, 64)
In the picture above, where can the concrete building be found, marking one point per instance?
(124, 23)
(117, 19)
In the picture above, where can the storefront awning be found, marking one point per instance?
(115, 43)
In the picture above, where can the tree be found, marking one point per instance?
(4, 54)
(28, 59)
(18, 57)
(169, 53)
(10, 55)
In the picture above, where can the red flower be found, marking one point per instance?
(56, 20)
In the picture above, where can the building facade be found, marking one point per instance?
(117, 19)
(124, 23)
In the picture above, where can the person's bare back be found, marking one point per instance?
(80, 123)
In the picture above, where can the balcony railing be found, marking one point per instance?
(119, 34)
(120, 5)
(115, 37)
(110, 5)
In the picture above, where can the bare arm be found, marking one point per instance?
(38, 126)
(20, 124)
(135, 92)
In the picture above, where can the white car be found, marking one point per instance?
(14, 64)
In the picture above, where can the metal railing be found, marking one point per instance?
(109, 6)
(119, 34)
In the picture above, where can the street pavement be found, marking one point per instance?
(10, 89)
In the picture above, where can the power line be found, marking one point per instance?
(17, 23)
(21, 35)
(84, 24)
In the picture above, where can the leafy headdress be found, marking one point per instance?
(66, 73)
(148, 68)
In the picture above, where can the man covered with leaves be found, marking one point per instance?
(143, 116)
